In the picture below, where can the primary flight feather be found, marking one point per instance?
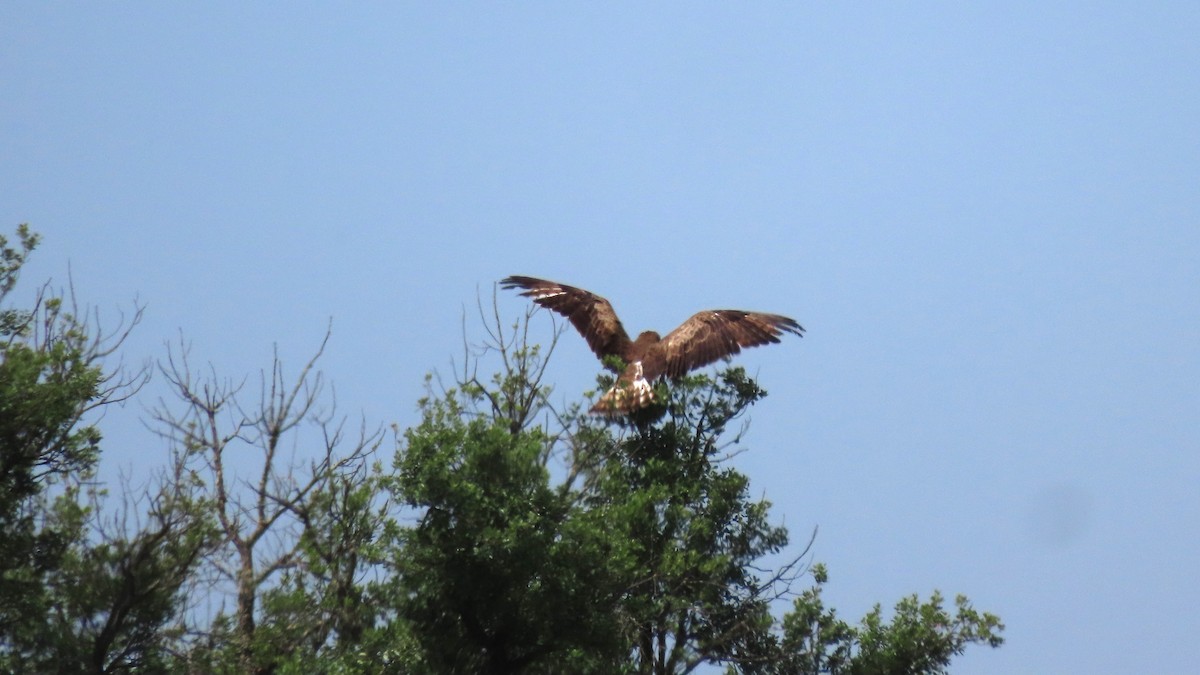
(702, 339)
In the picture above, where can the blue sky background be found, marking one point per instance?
(987, 216)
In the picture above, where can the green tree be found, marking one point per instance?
(921, 638)
(502, 573)
(48, 380)
(695, 536)
(509, 535)
(120, 586)
(319, 609)
(554, 541)
(79, 591)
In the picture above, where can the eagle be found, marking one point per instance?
(699, 341)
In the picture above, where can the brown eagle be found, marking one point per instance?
(702, 339)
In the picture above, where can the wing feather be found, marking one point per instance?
(592, 315)
(717, 334)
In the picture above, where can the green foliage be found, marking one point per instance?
(814, 640)
(636, 555)
(319, 612)
(47, 381)
(921, 638)
(693, 533)
(12, 259)
(501, 572)
(77, 593)
(114, 599)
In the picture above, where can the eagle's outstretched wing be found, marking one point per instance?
(716, 334)
(591, 314)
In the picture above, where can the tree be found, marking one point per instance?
(922, 637)
(79, 592)
(572, 545)
(121, 585)
(510, 534)
(291, 533)
(694, 534)
(552, 541)
(502, 573)
(48, 380)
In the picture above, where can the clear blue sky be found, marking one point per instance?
(987, 216)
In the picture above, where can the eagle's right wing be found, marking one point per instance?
(591, 314)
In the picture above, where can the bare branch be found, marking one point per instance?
(260, 495)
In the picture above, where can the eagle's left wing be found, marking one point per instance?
(716, 334)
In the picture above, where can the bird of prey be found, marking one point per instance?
(702, 339)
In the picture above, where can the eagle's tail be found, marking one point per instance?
(626, 396)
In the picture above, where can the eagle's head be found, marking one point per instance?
(647, 338)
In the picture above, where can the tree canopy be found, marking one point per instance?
(499, 534)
